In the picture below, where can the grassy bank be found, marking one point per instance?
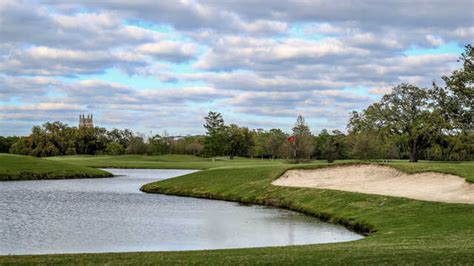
(18, 167)
(401, 231)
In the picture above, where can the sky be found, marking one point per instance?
(152, 66)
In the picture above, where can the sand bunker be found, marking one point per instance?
(383, 180)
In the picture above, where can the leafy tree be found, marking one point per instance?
(239, 141)
(406, 112)
(215, 141)
(22, 146)
(260, 140)
(456, 99)
(137, 146)
(303, 145)
(123, 137)
(90, 140)
(276, 141)
(366, 145)
(158, 145)
(114, 148)
(195, 148)
(454, 108)
(6, 143)
(330, 147)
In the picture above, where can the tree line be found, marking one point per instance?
(408, 123)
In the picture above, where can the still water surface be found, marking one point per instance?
(112, 215)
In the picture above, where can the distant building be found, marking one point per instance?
(85, 121)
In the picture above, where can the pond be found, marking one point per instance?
(112, 215)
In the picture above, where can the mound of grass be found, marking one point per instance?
(18, 167)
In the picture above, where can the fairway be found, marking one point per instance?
(400, 230)
(18, 167)
(161, 161)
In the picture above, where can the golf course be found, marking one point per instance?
(17, 167)
(398, 230)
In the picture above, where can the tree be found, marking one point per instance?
(239, 141)
(6, 143)
(276, 141)
(137, 146)
(367, 141)
(260, 140)
(195, 148)
(329, 147)
(22, 146)
(215, 141)
(456, 100)
(454, 107)
(123, 137)
(114, 148)
(157, 145)
(365, 145)
(406, 113)
(303, 144)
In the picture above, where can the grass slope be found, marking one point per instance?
(401, 231)
(18, 167)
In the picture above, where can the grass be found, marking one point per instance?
(463, 169)
(18, 167)
(400, 231)
(161, 162)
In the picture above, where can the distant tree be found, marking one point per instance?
(22, 146)
(407, 113)
(260, 139)
(365, 145)
(90, 140)
(114, 148)
(215, 141)
(276, 141)
(456, 100)
(6, 143)
(326, 146)
(454, 109)
(137, 146)
(239, 141)
(194, 148)
(123, 137)
(157, 145)
(303, 144)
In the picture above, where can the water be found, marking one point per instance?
(112, 215)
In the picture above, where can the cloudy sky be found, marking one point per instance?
(162, 65)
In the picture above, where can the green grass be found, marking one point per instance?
(161, 162)
(18, 167)
(463, 169)
(401, 231)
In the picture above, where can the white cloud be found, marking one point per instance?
(255, 60)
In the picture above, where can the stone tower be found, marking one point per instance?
(85, 121)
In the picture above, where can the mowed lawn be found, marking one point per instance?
(400, 231)
(463, 169)
(18, 167)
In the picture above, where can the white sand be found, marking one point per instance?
(383, 180)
